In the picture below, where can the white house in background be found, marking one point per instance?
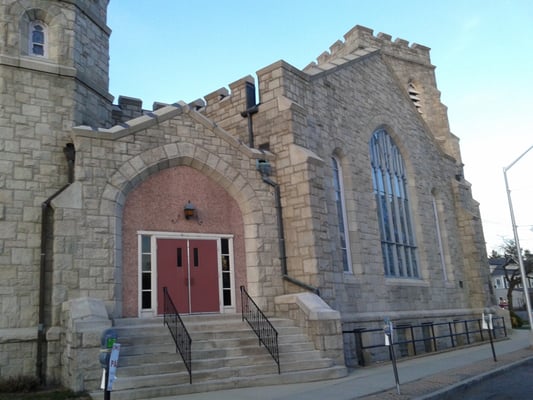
(500, 284)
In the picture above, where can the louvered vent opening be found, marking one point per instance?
(415, 96)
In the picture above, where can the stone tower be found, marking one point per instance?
(68, 39)
(54, 64)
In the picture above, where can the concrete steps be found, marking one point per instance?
(226, 354)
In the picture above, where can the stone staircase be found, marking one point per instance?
(225, 355)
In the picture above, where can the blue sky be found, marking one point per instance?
(171, 50)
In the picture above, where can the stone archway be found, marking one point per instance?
(247, 197)
(153, 218)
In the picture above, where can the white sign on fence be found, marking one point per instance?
(484, 324)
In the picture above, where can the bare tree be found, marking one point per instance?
(513, 275)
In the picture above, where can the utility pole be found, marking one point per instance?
(518, 249)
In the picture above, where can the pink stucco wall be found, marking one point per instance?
(155, 205)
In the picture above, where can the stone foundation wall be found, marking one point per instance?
(18, 352)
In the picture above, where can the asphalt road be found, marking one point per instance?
(513, 384)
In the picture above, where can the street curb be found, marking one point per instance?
(457, 388)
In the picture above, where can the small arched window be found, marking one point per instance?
(38, 39)
(394, 216)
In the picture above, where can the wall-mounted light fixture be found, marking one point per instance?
(189, 210)
(189, 213)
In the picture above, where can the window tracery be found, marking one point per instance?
(390, 189)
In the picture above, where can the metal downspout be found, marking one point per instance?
(281, 239)
(251, 109)
(70, 154)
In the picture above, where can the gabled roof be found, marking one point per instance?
(498, 265)
(500, 261)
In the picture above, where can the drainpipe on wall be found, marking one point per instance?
(264, 168)
(70, 154)
(251, 109)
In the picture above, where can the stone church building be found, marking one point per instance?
(334, 194)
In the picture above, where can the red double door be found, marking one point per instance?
(189, 269)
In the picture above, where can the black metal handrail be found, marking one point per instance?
(425, 334)
(263, 328)
(178, 331)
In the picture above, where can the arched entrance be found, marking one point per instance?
(200, 260)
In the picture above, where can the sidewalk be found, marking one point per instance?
(420, 378)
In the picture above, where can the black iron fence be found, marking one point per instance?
(178, 331)
(411, 340)
(260, 324)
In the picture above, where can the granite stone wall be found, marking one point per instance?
(303, 118)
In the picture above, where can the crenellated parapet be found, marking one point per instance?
(126, 109)
(222, 105)
(217, 96)
(361, 41)
(129, 108)
(226, 106)
(411, 65)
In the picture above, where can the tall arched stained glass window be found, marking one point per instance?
(341, 215)
(390, 189)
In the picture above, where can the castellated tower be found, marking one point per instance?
(412, 68)
(53, 76)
